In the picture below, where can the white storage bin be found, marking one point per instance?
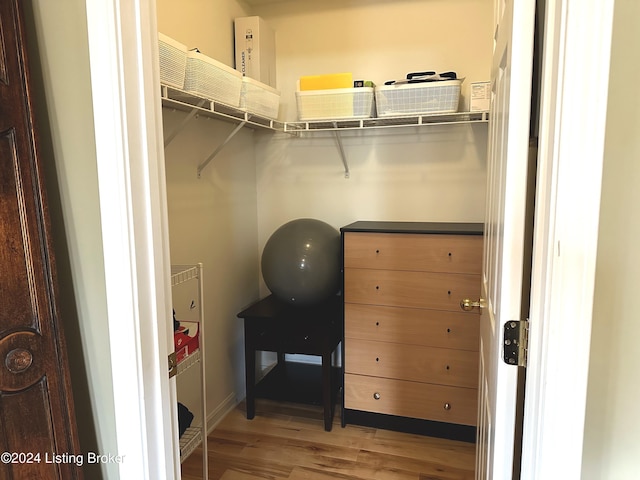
(418, 98)
(173, 61)
(336, 103)
(259, 98)
(212, 79)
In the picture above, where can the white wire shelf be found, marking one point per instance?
(189, 441)
(181, 100)
(183, 273)
(387, 122)
(189, 361)
(195, 435)
(185, 101)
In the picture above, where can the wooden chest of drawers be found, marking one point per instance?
(409, 350)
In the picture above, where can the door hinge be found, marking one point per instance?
(173, 365)
(515, 342)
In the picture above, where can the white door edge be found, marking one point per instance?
(505, 227)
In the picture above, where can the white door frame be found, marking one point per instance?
(123, 49)
(135, 231)
(573, 109)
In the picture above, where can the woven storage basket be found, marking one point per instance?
(173, 61)
(336, 103)
(258, 98)
(212, 79)
(418, 98)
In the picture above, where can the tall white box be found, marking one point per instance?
(255, 49)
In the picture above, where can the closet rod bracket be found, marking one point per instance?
(219, 148)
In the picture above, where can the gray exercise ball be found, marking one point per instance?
(301, 262)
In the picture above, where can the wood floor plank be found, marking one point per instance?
(219, 466)
(427, 451)
(418, 466)
(355, 471)
(233, 475)
(288, 442)
(299, 452)
(283, 426)
(304, 473)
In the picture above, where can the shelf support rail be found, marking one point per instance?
(341, 149)
(202, 166)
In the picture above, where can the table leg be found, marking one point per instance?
(327, 391)
(250, 376)
(282, 364)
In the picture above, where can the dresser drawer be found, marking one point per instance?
(423, 252)
(444, 366)
(411, 399)
(437, 291)
(412, 326)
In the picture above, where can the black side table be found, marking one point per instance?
(276, 326)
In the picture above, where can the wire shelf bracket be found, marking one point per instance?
(341, 150)
(219, 148)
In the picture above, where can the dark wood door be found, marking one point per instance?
(37, 424)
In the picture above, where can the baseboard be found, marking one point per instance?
(451, 431)
(226, 406)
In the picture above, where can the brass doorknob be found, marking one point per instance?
(467, 305)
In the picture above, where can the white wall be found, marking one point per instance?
(203, 24)
(379, 40)
(611, 444)
(222, 218)
(435, 173)
(212, 219)
(59, 54)
(260, 181)
(292, 180)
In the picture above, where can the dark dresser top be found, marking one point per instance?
(444, 228)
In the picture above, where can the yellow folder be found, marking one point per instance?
(324, 82)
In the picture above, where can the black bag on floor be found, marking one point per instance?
(185, 417)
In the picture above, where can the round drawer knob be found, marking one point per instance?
(376, 396)
(18, 360)
(447, 406)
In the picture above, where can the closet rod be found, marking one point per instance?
(221, 146)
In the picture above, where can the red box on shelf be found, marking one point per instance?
(186, 340)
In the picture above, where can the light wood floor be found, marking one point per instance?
(288, 441)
